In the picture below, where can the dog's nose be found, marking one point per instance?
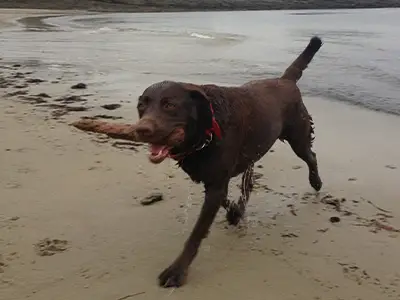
(144, 131)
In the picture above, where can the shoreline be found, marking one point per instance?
(35, 18)
(10, 17)
(219, 5)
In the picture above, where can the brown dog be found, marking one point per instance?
(216, 133)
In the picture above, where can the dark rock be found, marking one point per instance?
(43, 95)
(151, 199)
(76, 108)
(112, 106)
(19, 75)
(289, 235)
(34, 80)
(33, 99)
(16, 93)
(70, 99)
(20, 86)
(334, 219)
(79, 86)
(107, 117)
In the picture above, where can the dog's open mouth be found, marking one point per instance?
(166, 147)
(158, 153)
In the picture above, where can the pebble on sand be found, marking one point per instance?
(79, 86)
(151, 199)
(334, 219)
(112, 106)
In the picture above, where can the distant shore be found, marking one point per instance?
(190, 5)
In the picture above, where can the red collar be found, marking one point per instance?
(215, 129)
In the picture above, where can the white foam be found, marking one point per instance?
(100, 30)
(201, 36)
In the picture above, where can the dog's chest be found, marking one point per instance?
(194, 168)
(205, 166)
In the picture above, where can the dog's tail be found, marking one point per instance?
(296, 69)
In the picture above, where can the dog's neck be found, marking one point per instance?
(210, 134)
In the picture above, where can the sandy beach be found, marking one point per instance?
(72, 226)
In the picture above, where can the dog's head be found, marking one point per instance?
(172, 118)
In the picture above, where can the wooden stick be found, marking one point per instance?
(113, 130)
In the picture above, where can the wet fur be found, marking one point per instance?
(252, 117)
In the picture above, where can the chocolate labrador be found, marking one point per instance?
(218, 132)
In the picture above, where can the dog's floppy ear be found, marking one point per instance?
(201, 111)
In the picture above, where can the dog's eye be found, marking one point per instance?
(141, 106)
(168, 105)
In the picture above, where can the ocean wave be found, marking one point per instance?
(358, 98)
(311, 13)
(100, 30)
(201, 36)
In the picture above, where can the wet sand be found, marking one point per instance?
(8, 17)
(72, 226)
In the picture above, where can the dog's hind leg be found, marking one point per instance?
(235, 211)
(300, 137)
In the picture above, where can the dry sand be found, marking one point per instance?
(82, 194)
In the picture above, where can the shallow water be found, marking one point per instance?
(359, 62)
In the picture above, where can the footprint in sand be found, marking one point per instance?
(49, 247)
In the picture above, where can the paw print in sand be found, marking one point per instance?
(49, 247)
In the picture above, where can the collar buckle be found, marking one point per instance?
(206, 142)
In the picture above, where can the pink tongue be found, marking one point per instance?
(157, 150)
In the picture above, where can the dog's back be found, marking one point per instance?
(268, 109)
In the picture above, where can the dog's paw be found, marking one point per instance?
(173, 276)
(315, 181)
(234, 214)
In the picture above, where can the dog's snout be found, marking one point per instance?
(144, 130)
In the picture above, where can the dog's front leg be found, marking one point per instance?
(175, 275)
